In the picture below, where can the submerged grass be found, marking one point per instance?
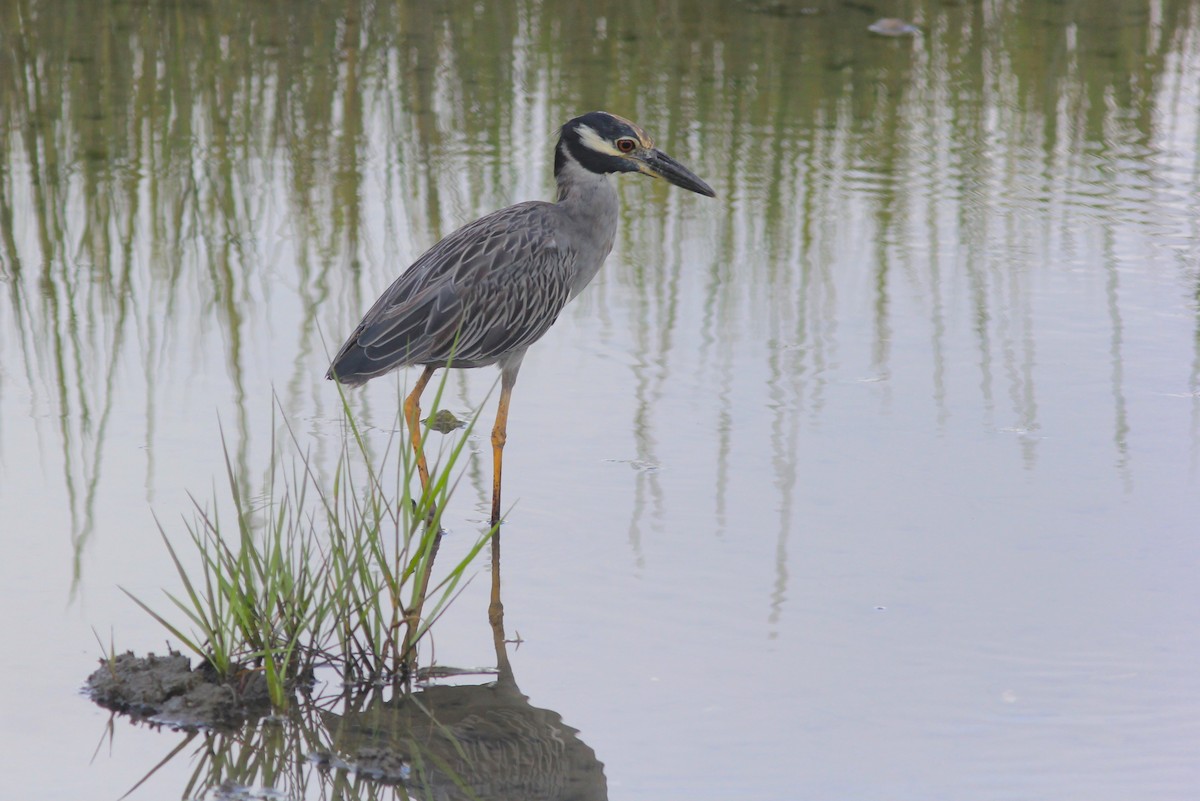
(333, 569)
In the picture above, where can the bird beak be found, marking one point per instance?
(658, 164)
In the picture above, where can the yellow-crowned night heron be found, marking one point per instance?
(492, 288)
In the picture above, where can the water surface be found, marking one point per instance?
(876, 476)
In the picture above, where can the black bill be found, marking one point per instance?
(659, 164)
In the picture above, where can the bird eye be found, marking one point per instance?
(626, 145)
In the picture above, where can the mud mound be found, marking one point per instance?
(165, 689)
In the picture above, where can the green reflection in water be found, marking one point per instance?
(157, 158)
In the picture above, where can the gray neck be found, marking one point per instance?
(589, 202)
(581, 186)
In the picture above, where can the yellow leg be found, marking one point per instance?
(499, 435)
(412, 616)
(412, 416)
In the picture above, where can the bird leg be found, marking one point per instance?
(412, 416)
(499, 435)
(412, 615)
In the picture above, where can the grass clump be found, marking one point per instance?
(334, 569)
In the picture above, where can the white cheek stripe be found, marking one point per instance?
(593, 140)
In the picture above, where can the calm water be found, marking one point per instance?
(878, 476)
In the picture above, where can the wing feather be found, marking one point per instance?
(489, 289)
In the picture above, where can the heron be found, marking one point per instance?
(485, 293)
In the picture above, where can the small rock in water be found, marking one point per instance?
(890, 26)
(444, 421)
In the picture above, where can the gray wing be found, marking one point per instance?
(491, 288)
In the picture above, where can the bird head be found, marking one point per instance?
(601, 143)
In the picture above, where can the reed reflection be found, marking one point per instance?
(226, 181)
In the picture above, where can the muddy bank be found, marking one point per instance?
(167, 690)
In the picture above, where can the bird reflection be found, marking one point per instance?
(480, 741)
